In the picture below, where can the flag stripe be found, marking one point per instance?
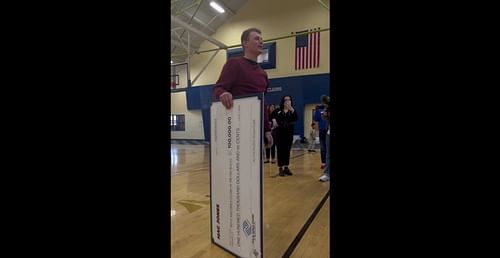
(317, 49)
(309, 56)
(303, 57)
(318, 46)
(307, 50)
(302, 64)
(311, 52)
(300, 58)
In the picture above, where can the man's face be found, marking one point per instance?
(254, 43)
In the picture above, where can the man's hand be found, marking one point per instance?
(227, 100)
(269, 138)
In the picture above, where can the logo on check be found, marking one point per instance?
(247, 228)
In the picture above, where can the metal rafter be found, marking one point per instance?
(181, 44)
(206, 26)
(194, 14)
(324, 5)
(197, 32)
(200, 22)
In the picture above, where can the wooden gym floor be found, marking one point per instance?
(288, 204)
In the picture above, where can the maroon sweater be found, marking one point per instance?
(241, 76)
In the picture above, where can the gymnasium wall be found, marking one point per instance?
(275, 18)
(193, 118)
(305, 91)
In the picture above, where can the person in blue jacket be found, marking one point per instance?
(323, 129)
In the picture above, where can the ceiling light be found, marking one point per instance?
(216, 7)
(171, 61)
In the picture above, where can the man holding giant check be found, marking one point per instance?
(236, 150)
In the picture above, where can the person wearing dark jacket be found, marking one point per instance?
(271, 152)
(326, 116)
(284, 119)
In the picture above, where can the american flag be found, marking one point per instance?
(307, 50)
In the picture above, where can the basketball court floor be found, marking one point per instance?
(296, 211)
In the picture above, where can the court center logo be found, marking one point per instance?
(247, 228)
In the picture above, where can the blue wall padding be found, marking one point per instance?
(303, 89)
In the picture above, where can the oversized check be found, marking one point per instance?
(236, 176)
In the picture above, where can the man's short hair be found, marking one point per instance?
(246, 34)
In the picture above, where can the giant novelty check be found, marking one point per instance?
(236, 176)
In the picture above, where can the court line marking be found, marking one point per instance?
(304, 228)
(190, 172)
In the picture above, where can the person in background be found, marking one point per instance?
(326, 116)
(284, 119)
(323, 128)
(271, 152)
(312, 138)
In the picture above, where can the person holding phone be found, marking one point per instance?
(284, 119)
